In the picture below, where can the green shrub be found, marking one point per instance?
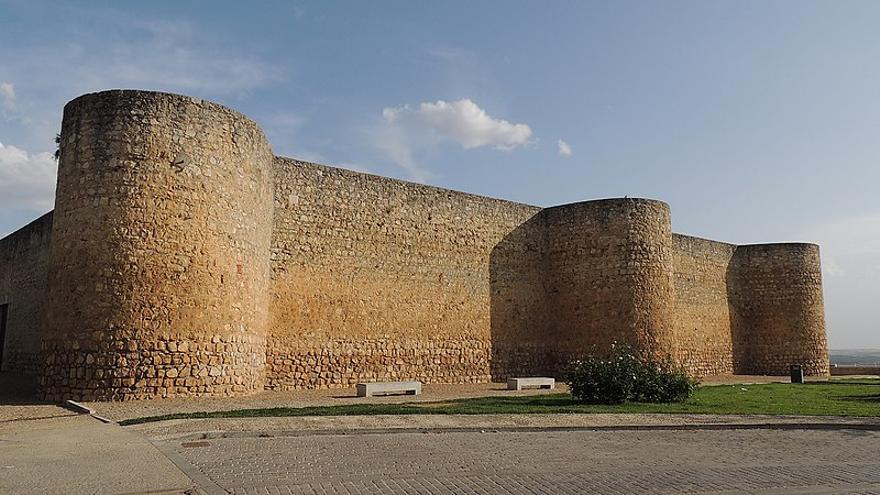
(626, 376)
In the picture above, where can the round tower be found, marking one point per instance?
(609, 275)
(159, 268)
(780, 314)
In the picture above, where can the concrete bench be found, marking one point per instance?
(532, 381)
(388, 388)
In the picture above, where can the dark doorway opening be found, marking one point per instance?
(4, 311)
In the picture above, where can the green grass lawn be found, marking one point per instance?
(838, 398)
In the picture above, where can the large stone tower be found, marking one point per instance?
(159, 265)
(609, 275)
(779, 309)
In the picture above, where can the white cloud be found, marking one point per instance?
(564, 148)
(27, 180)
(408, 131)
(462, 121)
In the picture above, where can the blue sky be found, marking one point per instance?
(756, 121)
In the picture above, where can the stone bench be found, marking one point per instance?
(388, 388)
(532, 381)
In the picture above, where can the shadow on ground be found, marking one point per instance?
(19, 389)
(555, 400)
(844, 382)
(863, 398)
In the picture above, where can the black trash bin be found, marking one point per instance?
(797, 373)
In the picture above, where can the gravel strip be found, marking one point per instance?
(180, 428)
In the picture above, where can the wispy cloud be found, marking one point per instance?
(27, 181)
(850, 249)
(157, 54)
(398, 145)
(172, 55)
(7, 95)
(564, 148)
(283, 131)
(850, 246)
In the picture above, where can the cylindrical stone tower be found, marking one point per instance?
(159, 270)
(776, 294)
(610, 275)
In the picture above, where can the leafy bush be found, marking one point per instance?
(626, 376)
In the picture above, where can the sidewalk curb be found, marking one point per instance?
(221, 434)
(82, 409)
(202, 485)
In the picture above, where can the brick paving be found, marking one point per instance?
(553, 462)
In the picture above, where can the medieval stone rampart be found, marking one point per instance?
(375, 278)
(702, 315)
(159, 270)
(24, 261)
(185, 259)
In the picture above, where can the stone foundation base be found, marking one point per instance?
(168, 367)
(176, 367)
(343, 363)
(779, 366)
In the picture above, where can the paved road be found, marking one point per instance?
(624, 462)
(46, 449)
(64, 453)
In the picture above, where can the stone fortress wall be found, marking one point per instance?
(702, 310)
(186, 259)
(375, 278)
(24, 268)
